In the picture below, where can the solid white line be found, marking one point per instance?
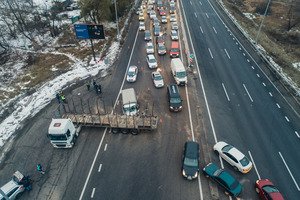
(254, 165)
(297, 134)
(289, 171)
(264, 84)
(227, 54)
(248, 93)
(99, 169)
(96, 155)
(195, 15)
(225, 91)
(207, 15)
(287, 119)
(278, 105)
(270, 94)
(189, 109)
(105, 147)
(210, 53)
(201, 29)
(93, 192)
(215, 30)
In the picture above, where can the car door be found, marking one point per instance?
(230, 159)
(222, 183)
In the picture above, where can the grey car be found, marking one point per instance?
(161, 49)
(174, 26)
(155, 22)
(147, 35)
(157, 31)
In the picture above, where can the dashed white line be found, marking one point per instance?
(248, 60)
(237, 43)
(297, 134)
(207, 15)
(191, 3)
(195, 15)
(277, 105)
(258, 75)
(227, 54)
(210, 53)
(254, 165)
(200, 3)
(99, 169)
(105, 147)
(289, 171)
(240, 48)
(287, 119)
(252, 67)
(225, 91)
(233, 38)
(201, 29)
(93, 192)
(270, 94)
(264, 84)
(244, 54)
(248, 93)
(215, 30)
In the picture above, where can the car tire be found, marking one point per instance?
(216, 152)
(257, 190)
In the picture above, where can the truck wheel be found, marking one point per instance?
(115, 130)
(134, 131)
(124, 130)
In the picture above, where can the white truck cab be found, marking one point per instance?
(62, 133)
(130, 105)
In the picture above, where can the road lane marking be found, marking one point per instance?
(210, 53)
(99, 169)
(278, 105)
(93, 192)
(270, 94)
(191, 3)
(207, 15)
(258, 75)
(248, 60)
(297, 134)
(248, 93)
(189, 109)
(289, 171)
(215, 30)
(225, 91)
(105, 147)
(240, 48)
(264, 84)
(200, 3)
(254, 165)
(244, 54)
(227, 54)
(287, 119)
(195, 15)
(201, 29)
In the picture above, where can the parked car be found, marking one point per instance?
(138, 11)
(225, 180)
(132, 73)
(157, 80)
(152, 14)
(174, 26)
(142, 26)
(149, 48)
(267, 190)
(164, 19)
(155, 22)
(161, 49)
(233, 156)
(152, 63)
(174, 35)
(157, 31)
(173, 18)
(162, 12)
(190, 162)
(141, 17)
(147, 35)
(160, 39)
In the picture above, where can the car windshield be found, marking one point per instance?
(152, 60)
(149, 47)
(157, 78)
(270, 189)
(190, 162)
(160, 47)
(175, 100)
(227, 148)
(57, 137)
(131, 73)
(244, 161)
(173, 33)
(129, 109)
(234, 185)
(147, 34)
(180, 74)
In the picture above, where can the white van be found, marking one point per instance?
(178, 71)
(129, 101)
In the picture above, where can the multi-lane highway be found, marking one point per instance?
(229, 97)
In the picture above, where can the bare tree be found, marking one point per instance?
(292, 19)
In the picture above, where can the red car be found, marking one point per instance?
(267, 190)
(162, 12)
(160, 39)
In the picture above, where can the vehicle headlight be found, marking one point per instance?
(183, 172)
(177, 82)
(171, 107)
(180, 107)
(196, 175)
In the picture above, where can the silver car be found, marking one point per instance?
(155, 22)
(147, 35)
(174, 35)
(157, 31)
(157, 80)
(173, 18)
(149, 48)
(174, 26)
(164, 19)
(151, 61)
(161, 49)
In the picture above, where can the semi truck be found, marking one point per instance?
(178, 71)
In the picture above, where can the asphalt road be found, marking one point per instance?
(232, 101)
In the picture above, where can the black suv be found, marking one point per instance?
(190, 162)
(175, 102)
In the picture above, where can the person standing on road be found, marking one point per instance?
(63, 98)
(58, 98)
(94, 83)
(88, 85)
(39, 168)
(96, 88)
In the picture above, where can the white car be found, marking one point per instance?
(161, 49)
(150, 5)
(132, 74)
(149, 48)
(173, 18)
(152, 14)
(233, 156)
(151, 61)
(149, 10)
(157, 80)
(142, 26)
(143, 5)
(174, 26)
(172, 3)
(164, 19)
(174, 35)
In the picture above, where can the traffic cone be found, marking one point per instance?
(128, 47)
(160, 121)
(142, 69)
(138, 62)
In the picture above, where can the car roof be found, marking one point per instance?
(151, 56)
(191, 149)
(161, 44)
(236, 153)
(132, 68)
(149, 44)
(9, 186)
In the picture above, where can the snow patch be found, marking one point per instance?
(250, 16)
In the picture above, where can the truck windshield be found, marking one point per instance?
(174, 50)
(130, 109)
(180, 74)
(57, 137)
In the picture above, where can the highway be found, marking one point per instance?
(230, 97)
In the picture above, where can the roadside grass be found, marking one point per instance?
(282, 45)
